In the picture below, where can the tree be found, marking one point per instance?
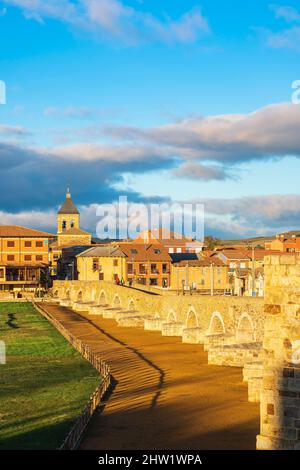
(211, 242)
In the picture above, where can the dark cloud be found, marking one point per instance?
(32, 179)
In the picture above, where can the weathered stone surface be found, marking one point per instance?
(193, 336)
(280, 393)
(172, 329)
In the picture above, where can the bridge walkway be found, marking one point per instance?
(165, 396)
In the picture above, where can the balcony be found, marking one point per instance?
(20, 276)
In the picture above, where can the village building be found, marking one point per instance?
(172, 241)
(204, 275)
(283, 243)
(130, 263)
(24, 259)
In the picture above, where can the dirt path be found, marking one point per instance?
(165, 395)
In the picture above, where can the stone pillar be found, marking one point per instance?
(280, 394)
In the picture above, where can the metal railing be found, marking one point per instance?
(75, 434)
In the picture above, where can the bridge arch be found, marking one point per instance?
(245, 329)
(102, 298)
(116, 301)
(131, 306)
(171, 318)
(192, 318)
(216, 324)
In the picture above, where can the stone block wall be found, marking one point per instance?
(280, 394)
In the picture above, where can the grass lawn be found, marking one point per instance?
(44, 384)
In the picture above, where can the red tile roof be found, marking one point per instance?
(141, 252)
(202, 263)
(17, 231)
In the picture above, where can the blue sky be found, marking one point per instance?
(163, 100)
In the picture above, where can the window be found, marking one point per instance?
(153, 282)
(72, 223)
(164, 268)
(1, 273)
(27, 257)
(243, 265)
(10, 244)
(115, 262)
(142, 269)
(101, 276)
(154, 269)
(64, 224)
(39, 244)
(10, 257)
(27, 244)
(95, 264)
(130, 268)
(55, 257)
(157, 251)
(202, 282)
(39, 257)
(171, 250)
(134, 251)
(179, 250)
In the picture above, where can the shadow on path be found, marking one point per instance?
(133, 350)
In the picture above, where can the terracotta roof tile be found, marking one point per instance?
(22, 232)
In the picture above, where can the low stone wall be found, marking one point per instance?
(234, 355)
(232, 316)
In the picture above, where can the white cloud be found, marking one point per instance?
(288, 13)
(233, 218)
(37, 219)
(115, 20)
(260, 215)
(69, 112)
(272, 131)
(287, 38)
(8, 130)
(197, 171)
(105, 152)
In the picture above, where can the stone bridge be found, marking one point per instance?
(197, 318)
(262, 336)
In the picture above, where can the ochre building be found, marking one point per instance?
(24, 257)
